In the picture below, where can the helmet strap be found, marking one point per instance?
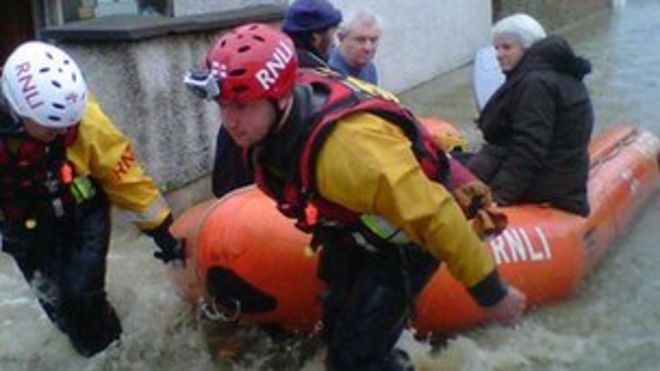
(281, 114)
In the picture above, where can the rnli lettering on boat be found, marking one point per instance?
(268, 75)
(29, 89)
(519, 245)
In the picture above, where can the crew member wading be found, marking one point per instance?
(63, 162)
(355, 169)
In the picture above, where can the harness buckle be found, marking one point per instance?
(82, 189)
(309, 220)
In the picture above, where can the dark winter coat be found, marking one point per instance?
(537, 128)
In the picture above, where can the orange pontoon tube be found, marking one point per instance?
(249, 262)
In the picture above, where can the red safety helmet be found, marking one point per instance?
(246, 64)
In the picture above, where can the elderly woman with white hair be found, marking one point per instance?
(537, 125)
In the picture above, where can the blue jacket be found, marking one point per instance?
(367, 73)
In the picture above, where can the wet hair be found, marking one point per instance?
(521, 28)
(356, 18)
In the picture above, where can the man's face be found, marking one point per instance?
(248, 124)
(358, 46)
(42, 133)
(325, 41)
(509, 52)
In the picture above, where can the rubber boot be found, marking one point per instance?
(91, 323)
(369, 300)
(397, 360)
(368, 315)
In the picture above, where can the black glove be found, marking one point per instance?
(170, 252)
(169, 247)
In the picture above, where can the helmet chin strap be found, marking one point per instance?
(281, 115)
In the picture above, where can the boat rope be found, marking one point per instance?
(209, 308)
(612, 153)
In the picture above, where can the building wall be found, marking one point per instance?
(424, 38)
(139, 83)
(437, 35)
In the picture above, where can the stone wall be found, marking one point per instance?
(139, 85)
(553, 14)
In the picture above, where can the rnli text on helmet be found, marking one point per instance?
(29, 89)
(281, 57)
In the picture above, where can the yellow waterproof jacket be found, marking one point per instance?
(366, 165)
(103, 153)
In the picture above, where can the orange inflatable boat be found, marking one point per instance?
(248, 262)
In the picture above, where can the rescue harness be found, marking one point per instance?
(37, 180)
(299, 198)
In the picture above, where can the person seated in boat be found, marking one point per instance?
(312, 25)
(349, 164)
(538, 124)
(63, 164)
(358, 41)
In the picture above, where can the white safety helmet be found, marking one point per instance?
(41, 82)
